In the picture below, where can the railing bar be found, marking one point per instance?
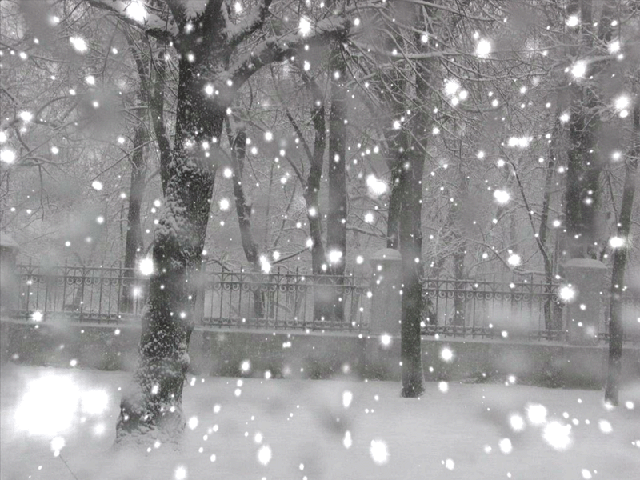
(221, 292)
(100, 298)
(240, 287)
(81, 303)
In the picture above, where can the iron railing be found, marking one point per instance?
(78, 293)
(285, 300)
(514, 310)
(491, 309)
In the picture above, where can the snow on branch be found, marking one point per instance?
(236, 33)
(148, 15)
(444, 8)
(276, 49)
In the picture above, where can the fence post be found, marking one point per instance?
(585, 312)
(386, 283)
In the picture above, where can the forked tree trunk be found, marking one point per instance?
(616, 332)
(238, 143)
(322, 306)
(205, 48)
(153, 404)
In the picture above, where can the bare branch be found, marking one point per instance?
(237, 33)
(277, 49)
(163, 29)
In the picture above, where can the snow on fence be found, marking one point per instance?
(293, 300)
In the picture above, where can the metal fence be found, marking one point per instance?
(293, 300)
(284, 300)
(281, 300)
(78, 293)
(492, 309)
(511, 309)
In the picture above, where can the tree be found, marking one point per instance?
(337, 211)
(584, 165)
(620, 256)
(324, 301)
(205, 40)
(133, 241)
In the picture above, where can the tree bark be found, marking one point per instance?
(137, 185)
(312, 187)
(133, 238)
(616, 331)
(238, 142)
(411, 250)
(583, 174)
(156, 108)
(584, 165)
(337, 214)
(459, 299)
(323, 298)
(205, 48)
(411, 226)
(552, 321)
(322, 306)
(153, 404)
(395, 205)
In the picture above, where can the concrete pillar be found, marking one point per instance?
(8, 277)
(386, 302)
(585, 312)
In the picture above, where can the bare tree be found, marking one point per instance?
(620, 256)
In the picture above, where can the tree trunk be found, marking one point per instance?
(619, 264)
(312, 187)
(411, 227)
(584, 166)
(204, 48)
(411, 250)
(323, 297)
(133, 239)
(156, 108)
(337, 214)
(321, 306)
(243, 209)
(154, 403)
(583, 174)
(550, 318)
(459, 299)
(395, 204)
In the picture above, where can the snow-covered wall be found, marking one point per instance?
(317, 355)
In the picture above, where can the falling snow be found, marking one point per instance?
(274, 239)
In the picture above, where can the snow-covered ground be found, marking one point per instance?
(253, 429)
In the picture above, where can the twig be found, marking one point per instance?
(67, 465)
